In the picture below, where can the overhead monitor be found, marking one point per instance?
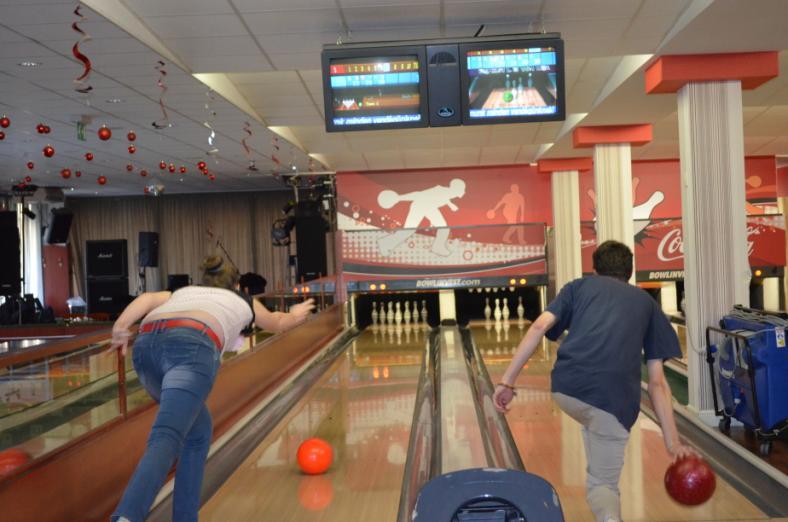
(374, 88)
(512, 81)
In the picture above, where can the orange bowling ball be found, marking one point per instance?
(690, 481)
(314, 456)
(11, 459)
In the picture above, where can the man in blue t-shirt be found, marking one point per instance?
(596, 377)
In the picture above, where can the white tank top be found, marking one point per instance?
(228, 308)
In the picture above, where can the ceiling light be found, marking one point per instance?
(115, 100)
(29, 64)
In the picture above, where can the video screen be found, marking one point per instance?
(374, 91)
(512, 82)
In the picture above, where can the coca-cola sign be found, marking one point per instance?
(659, 249)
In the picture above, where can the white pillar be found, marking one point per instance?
(566, 225)
(613, 186)
(716, 269)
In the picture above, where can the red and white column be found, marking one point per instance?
(566, 215)
(613, 177)
(711, 140)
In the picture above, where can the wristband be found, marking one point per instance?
(509, 386)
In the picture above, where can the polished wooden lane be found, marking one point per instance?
(363, 406)
(551, 445)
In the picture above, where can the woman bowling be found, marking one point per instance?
(176, 355)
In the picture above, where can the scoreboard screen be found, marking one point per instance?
(374, 91)
(512, 82)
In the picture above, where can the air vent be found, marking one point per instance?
(442, 59)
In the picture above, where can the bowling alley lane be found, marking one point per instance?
(363, 407)
(551, 444)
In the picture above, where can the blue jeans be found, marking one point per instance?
(177, 367)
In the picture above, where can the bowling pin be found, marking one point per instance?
(520, 309)
(487, 309)
(415, 312)
(397, 314)
(374, 314)
(406, 313)
(390, 313)
(424, 310)
(505, 311)
(497, 310)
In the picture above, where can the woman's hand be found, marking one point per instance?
(680, 451)
(503, 396)
(302, 310)
(120, 339)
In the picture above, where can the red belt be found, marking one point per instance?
(163, 324)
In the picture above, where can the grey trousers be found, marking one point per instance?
(605, 440)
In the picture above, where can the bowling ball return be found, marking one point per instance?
(488, 495)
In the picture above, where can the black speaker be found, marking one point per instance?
(10, 268)
(108, 296)
(106, 258)
(176, 281)
(443, 79)
(149, 249)
(59, 225)
(310, 230)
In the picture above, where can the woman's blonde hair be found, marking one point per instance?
(219, 273)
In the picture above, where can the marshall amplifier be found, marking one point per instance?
(106, 259)
(108, 296)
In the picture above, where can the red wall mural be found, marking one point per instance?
(447, 222)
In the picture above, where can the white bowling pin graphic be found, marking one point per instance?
(487, 309)
(390, 313)
(520, 308)
(642, 213)
(505, 311)
(497, 310)
(374, 314)
(424, 310)
(415, 312)
(397, 314)
(406, 313)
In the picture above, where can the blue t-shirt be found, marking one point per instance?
(610, 323)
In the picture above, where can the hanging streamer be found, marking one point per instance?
(81, 86)
(274, 154)
(247, 150)
(165, 121)
(212, 150)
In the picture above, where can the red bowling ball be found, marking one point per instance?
(690, 481)
(11, 459)
(314, 456)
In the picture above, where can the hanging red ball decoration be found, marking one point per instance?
(49, 151)
(132, 149)
(102, 180)
(89, 156)
(47, 129)
(171, 168)
(41, 128)
(145, 190)
(129, 167)
(131, 136)
(31, 165)
(204, 172)
(5, 122)
(211, 177)
(28, 179)
(2, 135)
(162, 165)
(65, 173)
(104, 133)
(78, 173)
(183, 169)
(202, 165)
(143, 173)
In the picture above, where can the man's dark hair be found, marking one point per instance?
(613, 259)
